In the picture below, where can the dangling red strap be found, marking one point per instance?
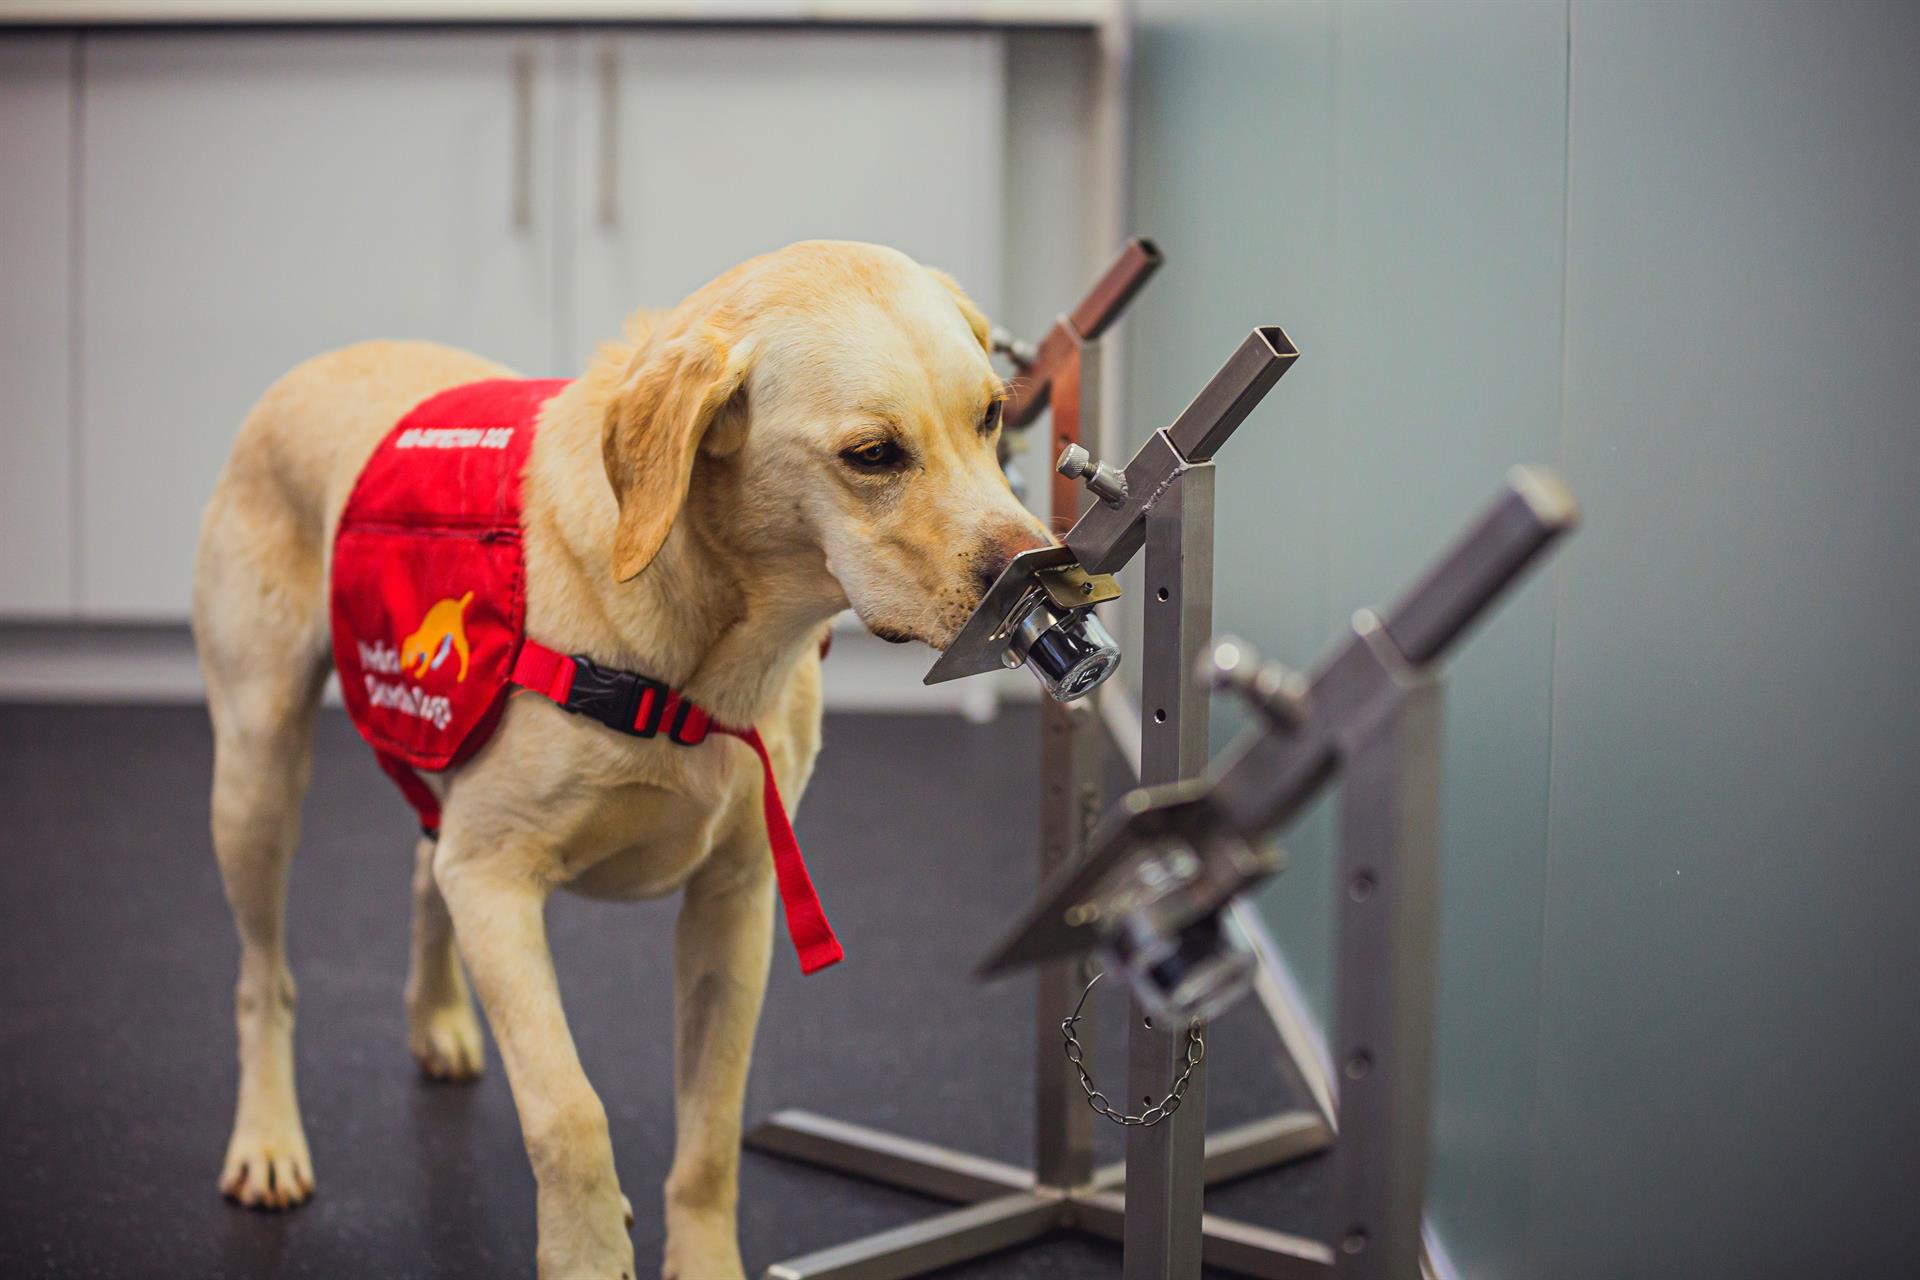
(806, 919)
(417, 792)
(551, 673)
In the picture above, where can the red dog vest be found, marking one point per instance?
(428, 599)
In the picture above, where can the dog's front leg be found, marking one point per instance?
(721, 949)
(497, 907)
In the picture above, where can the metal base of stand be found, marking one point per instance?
(1005, 1206)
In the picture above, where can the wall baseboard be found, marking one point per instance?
(156, 663)
(69, 662)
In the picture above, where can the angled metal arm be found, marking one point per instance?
(1179, 853)
(1112, 530)
(1124, 277)
(1270, 774)
(1267, 778)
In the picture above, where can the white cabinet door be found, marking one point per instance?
(252, 199)
(36, 261)
(696, 149)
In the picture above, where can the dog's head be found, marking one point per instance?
(837, 400)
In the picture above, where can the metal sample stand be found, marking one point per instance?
(1171, 513)
(1007, 1205)
(1165, 499)
(1370, 716)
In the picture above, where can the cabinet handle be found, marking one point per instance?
(522, 138)
(609, 134)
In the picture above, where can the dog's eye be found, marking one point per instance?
(877, 456)
(992, 419)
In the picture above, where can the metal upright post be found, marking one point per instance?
(1063, 1124)
(1164, 1183)
(1383, 1032)
(1070, 742)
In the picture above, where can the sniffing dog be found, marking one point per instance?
(816, 429)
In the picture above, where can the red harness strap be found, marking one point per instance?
(415, 789)
(642, 707)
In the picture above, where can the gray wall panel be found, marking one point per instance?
(1728, 1038)
(1452, 150)
(1679, 882)
(1385, 180)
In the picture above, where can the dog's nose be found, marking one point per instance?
(1000, 551)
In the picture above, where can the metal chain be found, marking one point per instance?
(1077, 1055)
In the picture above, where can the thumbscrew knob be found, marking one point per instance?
(1277, 693)
(1021, 353)
(1103, 481)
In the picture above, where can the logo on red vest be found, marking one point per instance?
(440, 635)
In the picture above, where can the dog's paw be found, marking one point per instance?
(705, 1269)
(446, 1042)
(268, 1171)
(702, 1250)
(581, 1238)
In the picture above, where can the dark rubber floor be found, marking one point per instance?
(116, 1031)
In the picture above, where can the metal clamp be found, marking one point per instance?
(1038, 613)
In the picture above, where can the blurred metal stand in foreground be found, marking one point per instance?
(1164, 502)
(1151, 894)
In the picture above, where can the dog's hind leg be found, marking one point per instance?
(263, 756)
(443, 1031)
(260, 624)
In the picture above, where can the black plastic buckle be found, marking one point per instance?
(613, 697)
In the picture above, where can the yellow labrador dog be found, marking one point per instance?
(814, 429)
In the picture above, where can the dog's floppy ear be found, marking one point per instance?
(976, 319)
(683, 391)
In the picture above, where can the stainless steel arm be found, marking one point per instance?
(1103, 304)
(1109, 533)
(1273, 771)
